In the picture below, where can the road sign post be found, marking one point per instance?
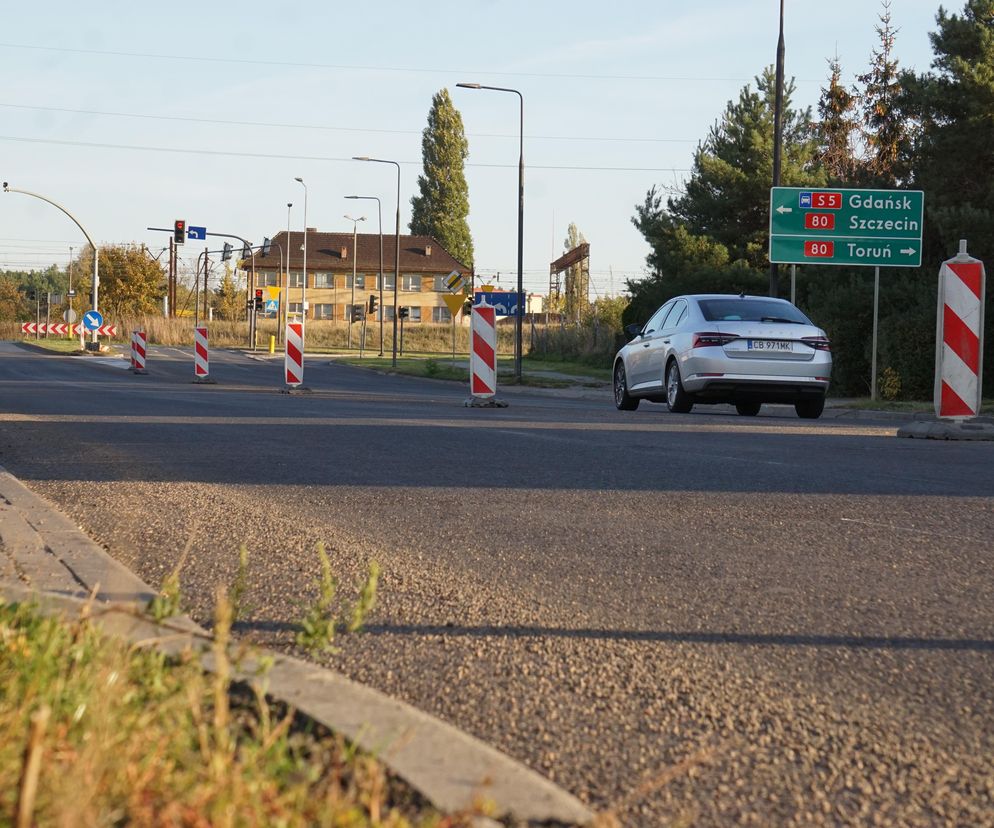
(881, 228)
(862, 228)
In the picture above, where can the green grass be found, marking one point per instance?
(59, 346)
(442, 367)
(97, 732)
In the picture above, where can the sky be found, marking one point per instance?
(134, 114)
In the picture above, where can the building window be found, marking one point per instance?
(388, 313)
(410, 282)
(413, 314)
(294, 308)
(389, 280)
(324, 311)
(360, 280)
(440, 284)
(296, 279)
(324, 280)
(441, 314)
(263, 278)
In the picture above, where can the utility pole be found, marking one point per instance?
(777, 139)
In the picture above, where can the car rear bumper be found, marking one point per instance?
(731, 388)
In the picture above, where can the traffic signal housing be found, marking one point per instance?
(258, 299)
(372, 305)
(179, 231)
(266, 245)
(226, 253)
(403, 313)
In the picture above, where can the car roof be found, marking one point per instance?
(729, 296)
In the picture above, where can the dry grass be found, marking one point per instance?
(97, 733)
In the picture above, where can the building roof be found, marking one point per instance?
(333, 251)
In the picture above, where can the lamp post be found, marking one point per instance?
(96, 255)
(396, 261)
(379, 214)
(521, 216)
(355, 224)
(777, 139)
(303, 289)
(284, 305)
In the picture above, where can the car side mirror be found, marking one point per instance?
(632, 331)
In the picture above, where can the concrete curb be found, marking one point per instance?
(45, 555)
(947, 430)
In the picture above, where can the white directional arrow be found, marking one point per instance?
(781, 209)
(908, 251)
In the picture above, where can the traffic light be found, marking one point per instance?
(246, 251)
(258, 299)
(358, 313)
(372, 305)
(266, 244)
(179, 231)
(226, 253)
(403, 313)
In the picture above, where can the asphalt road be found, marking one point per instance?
(707, 618)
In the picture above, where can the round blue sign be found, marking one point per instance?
(92, 320)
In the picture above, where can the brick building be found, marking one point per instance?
(424, 267)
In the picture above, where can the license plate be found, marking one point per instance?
(779, 345)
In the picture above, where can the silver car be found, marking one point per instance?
(743, 350)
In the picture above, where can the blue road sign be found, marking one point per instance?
(271, 305)
(196, 233)
(504, 301)
(92, 320)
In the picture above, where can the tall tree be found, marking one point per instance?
(131, 284)
(714, 236)
(577, 292)
(441, 207)
(837, 128)
(885, 130)
(229, 301)
(954, 150)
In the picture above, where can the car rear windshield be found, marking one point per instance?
(750, 310)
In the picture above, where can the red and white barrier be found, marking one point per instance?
(133, 350)
(293, 362)
(483, 357)
(959, 337)
(140, 347)
(201, 356)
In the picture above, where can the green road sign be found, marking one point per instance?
(846, 227)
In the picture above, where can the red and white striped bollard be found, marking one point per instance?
(140, 345)
(293, 362)
(959, 337)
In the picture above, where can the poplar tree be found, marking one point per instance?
(441, 207)
(577, 278)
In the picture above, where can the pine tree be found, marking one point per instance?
(714, 236)
(229, 301)
(442, 206)
(884, 124)
(837, 128)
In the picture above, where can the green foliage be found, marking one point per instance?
(13, 305)
(131, 284)
(576, 294)
(885, 128)
(229, 301)
(837, 129)
(431, 368)
(441, 207)
(713, 237)
(325, 615)
(167, 602)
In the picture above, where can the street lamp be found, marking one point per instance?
(355, 224)
(96, 255)
(284, 305)
(777, 140)
(396, 261)
(521, 217)
(379, 213)
(303, 289)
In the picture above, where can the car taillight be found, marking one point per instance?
(819, 343)
(712, 339)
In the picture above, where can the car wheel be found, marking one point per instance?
(677, 400)
(810, 409)
(748, 409)
(622, 399)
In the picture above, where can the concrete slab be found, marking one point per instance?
(947, 430)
